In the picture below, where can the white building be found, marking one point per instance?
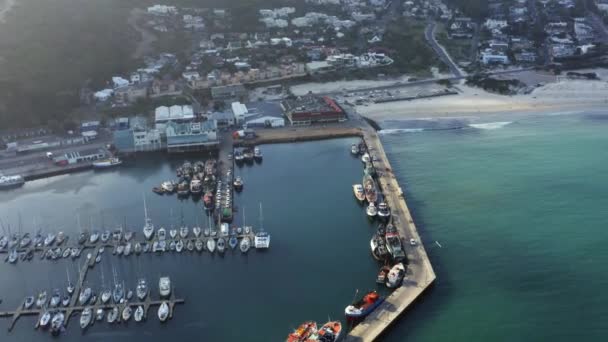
(119, 82)
(191, 75)
(103, 95)
(490, 56)
(240, 111)
(493, 24)
(147, 140)
(175, 113)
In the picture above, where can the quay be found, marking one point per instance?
(420, 274)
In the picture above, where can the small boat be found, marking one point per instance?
(384, 212)
(221, 245)
(206, 232)
(369, 186)
(106, 295)
(85, 295)
(172, 245)
(161, 234)
(257, 154)
(208, 200)
(85, 317)
(107, 163)
(146, 247)
(137, 249)
(57, 323)
(61, 238)
(28, 302)
(45, 319)
(196, 231)
(303, 332)
(93, 300)
(183, 188)
(139, 314)
(142, 289)
(25, 240)
(129, 294)
(196, 186)
(245, 244)
(66, 252)
(364, 306)
(395, 276)
(99, 314)
(190, 245)
(98, 259)
(224, 229)
(112, 315)
(157, 190)
(163, 311)
(3, 242)
(261, 239)
(354, 149)
(42, 298)
(183, 232)
(127, 250)
(105, 236)
(247, 229)
(50, 238)
(365, 158)
(173, 233)
(211, 245)
(371, 210)
(233, 242)
(164, 286)
(55, 299)
(94, 237)
(70, 288)
(393, 243)
(117, 235)
(381, 278)
(359, 192)
(118, 293)
(13, 256)
(238, 184)
(120, 249)
(329, 332)
(126, 313)
(128, 235)
(179, 246)
(65, 301)
(168, 186)
(239, 230)
(198, 244)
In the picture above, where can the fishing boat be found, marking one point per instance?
(233, 242)
(168, 186)
(359, 192)
(107, 163)
(14, 181)
(57, 323)
(221, 245)
(257, 154)
(395, 276)
(85, 295)
(163, 311)
(245, 244)
(208, 200)
(172, 233)
(248, 155)
(126, 313)
(28, 302)
(329, 332)
(148, 226)
(55, 299)
(196, 186)
(113, 315)
(183, 189)
(183, 232)
(99, 314)
(164, 286)
(239, 157)
(393, 243)
(42, 298)
(139, 314)
(354, 149)
(382, 274)
(45, 319)
(378, 247)
(196, 231)
(371, 210)
(142, 289)
(384, 212)
(369, 186)
(364, 306)
(211, 245)
(179, 246)
(303, 332)
(85, 317)
(198, 244)
(238, 184)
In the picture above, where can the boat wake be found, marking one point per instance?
(491, 125)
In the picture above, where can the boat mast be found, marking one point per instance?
(261, 218)
(145, 208)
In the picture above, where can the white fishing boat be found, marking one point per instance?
(359, 192)
(371, 210)
(139, 314)
(245, 244)
(85, 317)
(7, 182)
(107, 163)
(173, 233)
(211, 245)
(164, 286)
(163, 311)
(354, 149)
(148, 226)
(395, 276)
(179, 246)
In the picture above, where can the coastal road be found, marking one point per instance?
(429, 35)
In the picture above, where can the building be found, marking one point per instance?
(84, 155)
(147, 140)
(223, 119)
(131, 93)
(118, 82)
(490, 56)
(175, 113)
(191, 136)
(310, 109)
(239, 111)
(229, 93)
(264, 114)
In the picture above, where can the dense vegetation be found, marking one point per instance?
(411, 52)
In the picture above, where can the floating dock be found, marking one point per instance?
(420, 274)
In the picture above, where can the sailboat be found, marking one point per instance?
(148, 226)
(262, 238)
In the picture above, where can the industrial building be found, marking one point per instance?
(310, 109)
(175, 113)
(265, 115)
(192, 136)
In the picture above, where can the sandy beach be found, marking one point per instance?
(5, 7)
(563, 96)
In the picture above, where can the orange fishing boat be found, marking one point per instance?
(303, 332)
(329, 332)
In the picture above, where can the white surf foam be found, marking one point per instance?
(491, 125)
(400, 130)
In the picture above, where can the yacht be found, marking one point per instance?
(354, 149)
(45, 319)
(112, 315)
(105, 236)
(57, 323)
(25, 240)
(148, 226)
(183, 232)
(118, 293)
(245, 244)
(137, 249)
(371, 210)
(55, 299)
(106, 295)
(42, 298)
(233, 242)
(99, 314)
(247, 230)
(199, 245)
(173, 233)
(384, 211)
(126, 313)
(85, 317)
(168, 186)
(179, 246)
(257, 154)
(142, 289)
(7, 182)
(128, 235)
(50, 238)
(190, 245)
(359, 192)
(117, 235)
(221, 245)
(161, 234)
(262, 239)
(28, 302)
(163, 311)
(94, 237)
(164, 286)
(183, 188)
(395, 276)
(238, 184)
(365, 158)
(85, 295)
(224, 229)
(107, 163)
(211, 245)
(139, 314)
(196, 231)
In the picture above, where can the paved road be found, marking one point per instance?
(429, 35)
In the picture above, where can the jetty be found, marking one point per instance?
(420, 274)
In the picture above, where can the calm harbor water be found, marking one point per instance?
(319, 251)
(520, 212)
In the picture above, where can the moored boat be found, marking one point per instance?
(57, 323)
(164, 286)
(238, 184)
(393, 243)
(113, 315)
(359, 192)
(395, 276)
(369, 186)
(45, 319)
(139, 314)
(107, 163)
(245, 244)
(14, 181)
(329, 332)
(126, 313)
(382, 274)
(163, 311)
(221, 245)
(211, 245)
(257, 154)
(363, 306)
(371, 210)
(86, 317)
(303, 332)
(354, 149)
(384, 211)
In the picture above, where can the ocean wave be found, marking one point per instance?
(400, 130)
(491, 125)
